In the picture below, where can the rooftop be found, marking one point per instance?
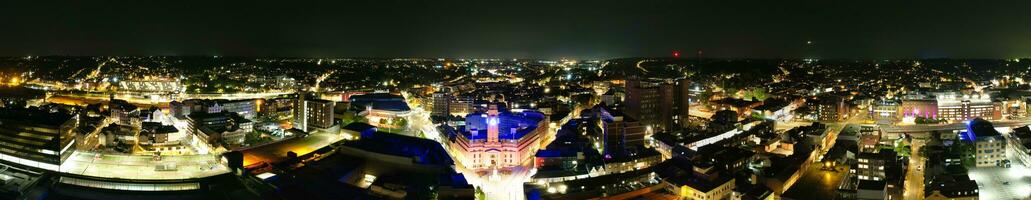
(380, 101)
(511, 125)
(982, 128)
(871, 185)
(680, 172)
(423, 151)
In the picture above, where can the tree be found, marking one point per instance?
(755, 94)
(480, 195)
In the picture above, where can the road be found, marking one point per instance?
(914, 185)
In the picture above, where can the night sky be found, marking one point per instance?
(521, 29)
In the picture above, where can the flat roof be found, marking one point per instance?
(134, 167)
(427, 151)
(380, 101)
(871, 185)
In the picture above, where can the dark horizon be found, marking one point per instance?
(528, 58)
(868, 30)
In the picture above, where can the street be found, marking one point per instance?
(915, 174)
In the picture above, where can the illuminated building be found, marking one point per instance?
(779, 109)
(246, 108)
(150, 85)
(36, 138)
(277, 108)
(219, 128)
(498, 138)
(699, 180)
(885, 111)
(990, 146)
(871, 165)
(956, 108)
(461, 106)
(1020, 139)
(919, 108)
(124, 113)
(311, 114)
(832, 108)
(382, 110)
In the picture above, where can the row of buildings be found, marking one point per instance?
(947, 106)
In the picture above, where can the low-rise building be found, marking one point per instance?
(383, 110)
(1020, 140)
(276, 108)
(954, 187)
(779, 109)
(124, 113)
(216, 129)
(695, 180)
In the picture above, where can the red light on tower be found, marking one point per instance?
(676, 54)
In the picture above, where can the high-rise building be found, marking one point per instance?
(989, 144)
(617, 133)
(36, 138)
(832, 108)
(659, 104)
(872, 165)
(311, 113)
(441, 104)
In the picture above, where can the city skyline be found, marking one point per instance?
(514, 100)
